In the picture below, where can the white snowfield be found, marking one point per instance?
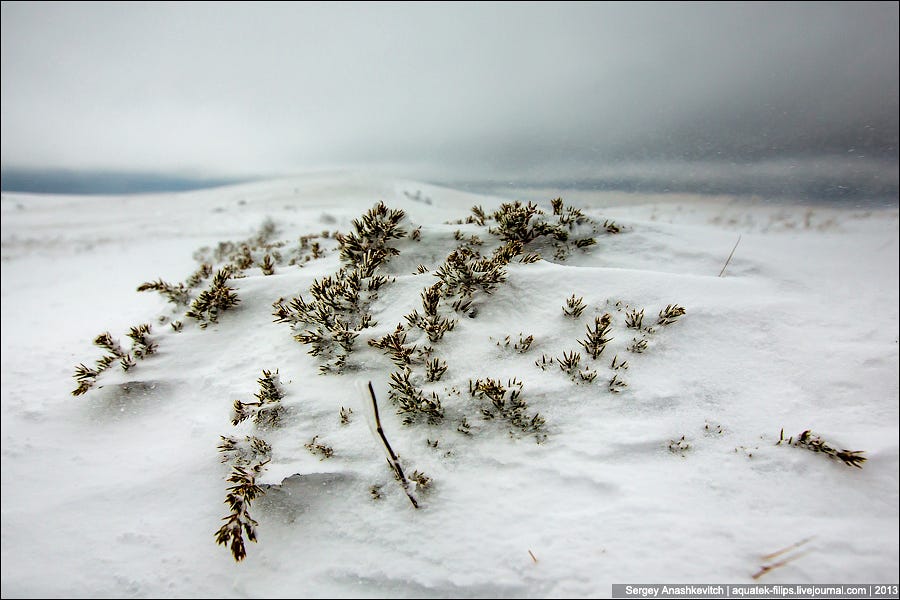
(118, 492)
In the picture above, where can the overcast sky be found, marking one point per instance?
(503, 90)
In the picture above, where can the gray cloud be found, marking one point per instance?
(473, 90)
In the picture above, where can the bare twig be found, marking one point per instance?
(763, 569)
(533, 557)
(393, 461)
(771, 567)
(725, 266)
(778, 553)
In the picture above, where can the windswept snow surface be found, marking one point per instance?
(117, 493)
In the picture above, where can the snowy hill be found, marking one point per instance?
(666, 469)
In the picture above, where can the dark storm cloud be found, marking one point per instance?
(471, 90)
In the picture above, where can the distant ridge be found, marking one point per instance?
(60, 181)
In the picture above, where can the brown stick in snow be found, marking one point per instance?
(393, 461)
(778, 553)
(770, 567)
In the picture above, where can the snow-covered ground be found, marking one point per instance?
(118, 492)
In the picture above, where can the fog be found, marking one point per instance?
(665, 95)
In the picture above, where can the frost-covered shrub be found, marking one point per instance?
(142, 346)
(371, 234)
(218, 297)
(814, 443)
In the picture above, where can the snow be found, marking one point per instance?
(117, 493)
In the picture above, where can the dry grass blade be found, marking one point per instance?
(771, 567)
(778, 553)
(728, 260)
